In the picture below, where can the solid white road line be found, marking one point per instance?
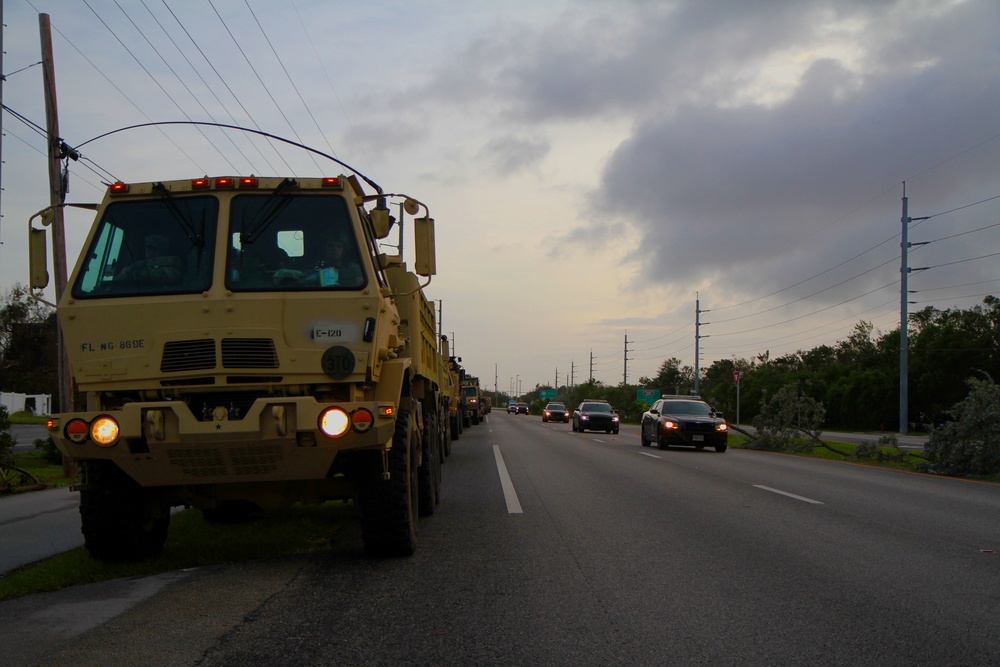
(790, 495)
(509, 494)
(652, 456)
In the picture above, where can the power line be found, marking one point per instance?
(263, 85)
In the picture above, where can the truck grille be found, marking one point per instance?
(197, 355)
(249, 353)
(188, 355)
(222, 462)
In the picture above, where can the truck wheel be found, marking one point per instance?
(389, 507)
(119, 520)
(455, 431)
(475, 418)
(429, 473)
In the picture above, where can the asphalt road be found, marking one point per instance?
(596, 552)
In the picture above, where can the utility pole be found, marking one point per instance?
(57, 197)
(572, 374)
(697, 341)
(625, 374)
(1, 113)
(904, 296)
(591, 365)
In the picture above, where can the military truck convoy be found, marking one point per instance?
(243, 343)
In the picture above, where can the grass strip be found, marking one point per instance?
(193, 542)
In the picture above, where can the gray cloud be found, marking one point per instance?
(509, 154)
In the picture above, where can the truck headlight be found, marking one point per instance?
(334, 422)
(104, 431)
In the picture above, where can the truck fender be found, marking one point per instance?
(395, 380)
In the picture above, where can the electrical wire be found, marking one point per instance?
(225, 84)
(259, 79)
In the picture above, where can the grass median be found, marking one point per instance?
(193, 542)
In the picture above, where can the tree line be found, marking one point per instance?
(856, 380)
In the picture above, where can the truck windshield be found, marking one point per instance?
(293, 241)
(150, 246)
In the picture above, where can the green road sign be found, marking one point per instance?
(548, 394)
(647, 396)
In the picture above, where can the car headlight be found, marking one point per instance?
(615, 418)
(669, 425)
(584, 417)
(722, 427)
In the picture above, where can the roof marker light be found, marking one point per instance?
(224, 182)
(248, 182)
(200, 183)
(118, 188)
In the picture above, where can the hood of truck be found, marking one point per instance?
(236, 339)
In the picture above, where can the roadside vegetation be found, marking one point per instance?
(192, 542)
(855, 380)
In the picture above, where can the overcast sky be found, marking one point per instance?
(592, 166)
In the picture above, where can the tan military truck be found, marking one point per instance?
(452, 395)
(471, 408)
(244, 344)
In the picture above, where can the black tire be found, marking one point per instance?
(615, 431)
(721, 448)
(456, 430)
(389, 508)
(574, 427)
(120, 520)
(662, 444)
(642, 437)
(429, 472)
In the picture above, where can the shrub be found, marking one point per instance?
(7, 441)
(52, 455)
(784, 418)
(970, 444)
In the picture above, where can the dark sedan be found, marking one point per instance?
(684, 421)
(556, 412)
(594, 415)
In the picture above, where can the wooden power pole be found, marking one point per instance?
(57, 197)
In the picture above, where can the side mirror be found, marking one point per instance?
(37, 259)
(425, 261)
